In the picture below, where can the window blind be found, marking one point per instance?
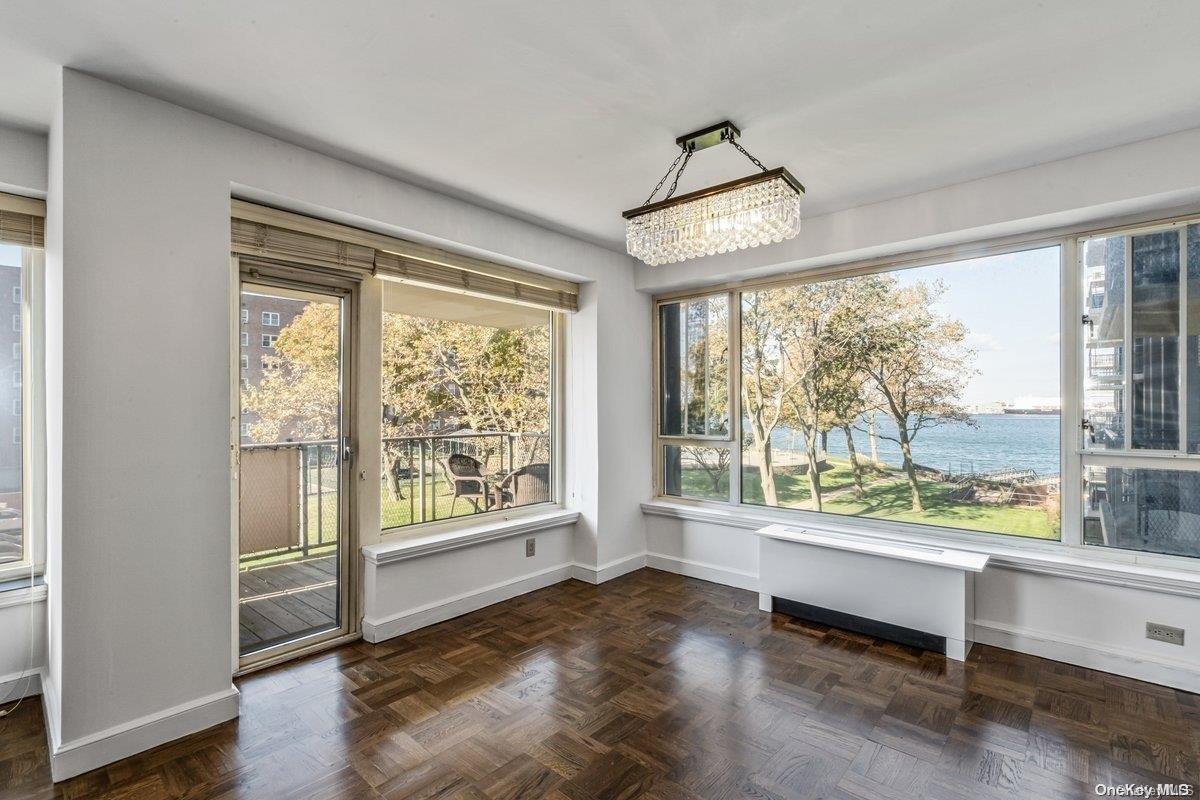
(284, 236)
(22, 221)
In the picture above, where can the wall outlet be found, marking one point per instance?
(531, 548)
(1164, 633)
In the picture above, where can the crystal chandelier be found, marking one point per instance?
(759, 209)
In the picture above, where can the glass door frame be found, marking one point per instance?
(267, 274)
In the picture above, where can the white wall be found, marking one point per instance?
(23, 632)
(416, 592)
(142, 591)
(22, 162)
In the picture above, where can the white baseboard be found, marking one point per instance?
(382, 628)
(121, 741)
(20, 684)
(705, 572)
(1177, 674)
(608, 571)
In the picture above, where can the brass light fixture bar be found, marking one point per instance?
(749, 180)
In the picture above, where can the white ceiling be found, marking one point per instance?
(566, 112)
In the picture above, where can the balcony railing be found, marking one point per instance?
(289, 499)
(417, 483)
(290, 490)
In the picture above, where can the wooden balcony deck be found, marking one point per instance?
(279, 601)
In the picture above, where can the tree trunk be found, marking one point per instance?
(910, 469)
(766, 470)
(854, 465)
(393, 479)
(814, 474)
(824, 441)
(873, 439)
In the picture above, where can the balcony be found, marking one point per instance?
(290, 499)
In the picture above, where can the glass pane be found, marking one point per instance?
(926, 395)
(1192, 393)
(694, 367)
(466, 406)
(1155, 377)
(701, 473)
(1103, 262)
(1151, 510)
(290, 476)
(12, 537)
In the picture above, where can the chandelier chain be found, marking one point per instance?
(682, 167)
(666, 175)
(746, 153)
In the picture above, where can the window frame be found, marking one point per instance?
(558, 369)
(268, 340)
(31, 429)
(1073, 457)
(271, 319)
(730, 438)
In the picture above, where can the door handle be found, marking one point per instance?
(347, 449)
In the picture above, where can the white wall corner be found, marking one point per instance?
(69, 759)
(609, 570)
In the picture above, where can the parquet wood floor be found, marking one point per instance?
(651, 686)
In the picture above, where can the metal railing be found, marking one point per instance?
(415, 479)
(319, 491)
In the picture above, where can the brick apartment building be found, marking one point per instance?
(263, 317)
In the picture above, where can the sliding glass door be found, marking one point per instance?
(293, 449)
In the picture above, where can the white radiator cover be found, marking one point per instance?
(925, 588)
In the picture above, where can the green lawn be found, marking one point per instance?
(887, 497)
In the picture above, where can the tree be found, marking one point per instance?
(437, 375)
(919, 366)
(799, 343)
(298, 398)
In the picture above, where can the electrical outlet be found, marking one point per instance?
(531, 548)
(1164, 633)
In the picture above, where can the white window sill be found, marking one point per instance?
(22, 594)
(402, 549)
(1034, 556)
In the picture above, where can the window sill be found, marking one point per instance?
(1039, 557)
(18, 591)
(417, 546)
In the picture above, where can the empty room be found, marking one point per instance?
(599, 401)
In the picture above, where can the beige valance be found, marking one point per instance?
(284, 236)
(22, 220)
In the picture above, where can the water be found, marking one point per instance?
(997, 441)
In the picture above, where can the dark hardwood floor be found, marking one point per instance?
(652, 686)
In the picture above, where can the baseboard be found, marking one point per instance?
(608, 571)
(20, 684)
(705, 572)
(121, 741)
(379, 629)
(1177, 674)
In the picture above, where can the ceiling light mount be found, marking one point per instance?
(707, 137)
(758, 209)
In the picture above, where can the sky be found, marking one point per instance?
(1010, 305)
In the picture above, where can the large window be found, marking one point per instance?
(467, 406)
(1141, 379)
(14, 543)
(925, 395)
